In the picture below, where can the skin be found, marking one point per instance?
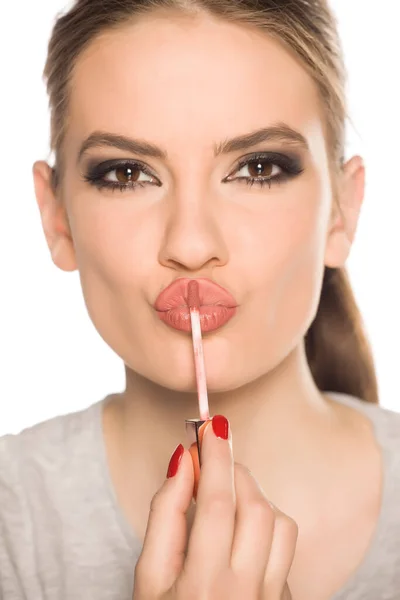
(184, 85)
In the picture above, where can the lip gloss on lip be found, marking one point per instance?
(195, 427)
(217, 306)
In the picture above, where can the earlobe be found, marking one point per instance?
(54, 219)
(345, 213)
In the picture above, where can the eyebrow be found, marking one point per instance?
(277, 133)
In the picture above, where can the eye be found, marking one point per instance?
(266, 168)
(126, 175)
(259, 168)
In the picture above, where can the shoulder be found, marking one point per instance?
(52, 489)
(44, 473)
(386, 422)
(44, 451)
(386, 427)
(46, 437)
(380, 569)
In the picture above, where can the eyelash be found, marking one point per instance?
(290, 167)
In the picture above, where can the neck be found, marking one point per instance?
(279, 421)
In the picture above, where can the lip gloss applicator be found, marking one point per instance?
(195, 427)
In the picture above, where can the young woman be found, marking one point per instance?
(204, 140)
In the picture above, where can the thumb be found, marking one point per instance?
(163, 554)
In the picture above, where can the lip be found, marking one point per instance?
(217, 305)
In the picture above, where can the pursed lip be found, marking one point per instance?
(217, 305)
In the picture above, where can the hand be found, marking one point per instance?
(240, 546)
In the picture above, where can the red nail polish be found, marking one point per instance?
(175, 461)
(220, 426)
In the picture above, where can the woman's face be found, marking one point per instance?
(187, 87)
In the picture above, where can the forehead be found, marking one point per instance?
(172, 78)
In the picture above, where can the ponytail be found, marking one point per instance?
(337, 348)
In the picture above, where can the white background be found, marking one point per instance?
(52, 360)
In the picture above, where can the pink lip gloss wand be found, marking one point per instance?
(194, 306)
(194, 429)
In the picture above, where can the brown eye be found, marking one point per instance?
(121, 176)
(266, 169)
(127, 174)
(260, 168)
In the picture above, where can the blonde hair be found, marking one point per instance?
(337, 348)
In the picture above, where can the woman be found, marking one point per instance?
(204, 139)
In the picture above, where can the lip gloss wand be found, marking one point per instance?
(195, 427)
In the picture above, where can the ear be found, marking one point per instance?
(54, 218)
(345, 217)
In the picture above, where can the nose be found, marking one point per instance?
(193, 239)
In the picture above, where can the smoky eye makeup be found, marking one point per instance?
(97, 167)
(264, 168)
(289, 166)
(125, 172)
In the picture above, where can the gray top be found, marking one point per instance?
(63, 535)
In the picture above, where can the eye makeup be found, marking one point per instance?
(290, 166)
(97, 171)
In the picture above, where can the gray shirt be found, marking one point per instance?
(63, 535)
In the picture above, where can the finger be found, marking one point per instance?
(255, 519)
(286, 594)
(195, 457)
(164, 546)
(211, 537)
(281, 556)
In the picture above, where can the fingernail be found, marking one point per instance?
(220, 426)
(175, 461)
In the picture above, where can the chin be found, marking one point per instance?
(226, 370)
(218, 381)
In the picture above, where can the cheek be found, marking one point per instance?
(285, 265)
(285, 241)
(115, 245)
(116, 249)
(282, 272)
(295, 298)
